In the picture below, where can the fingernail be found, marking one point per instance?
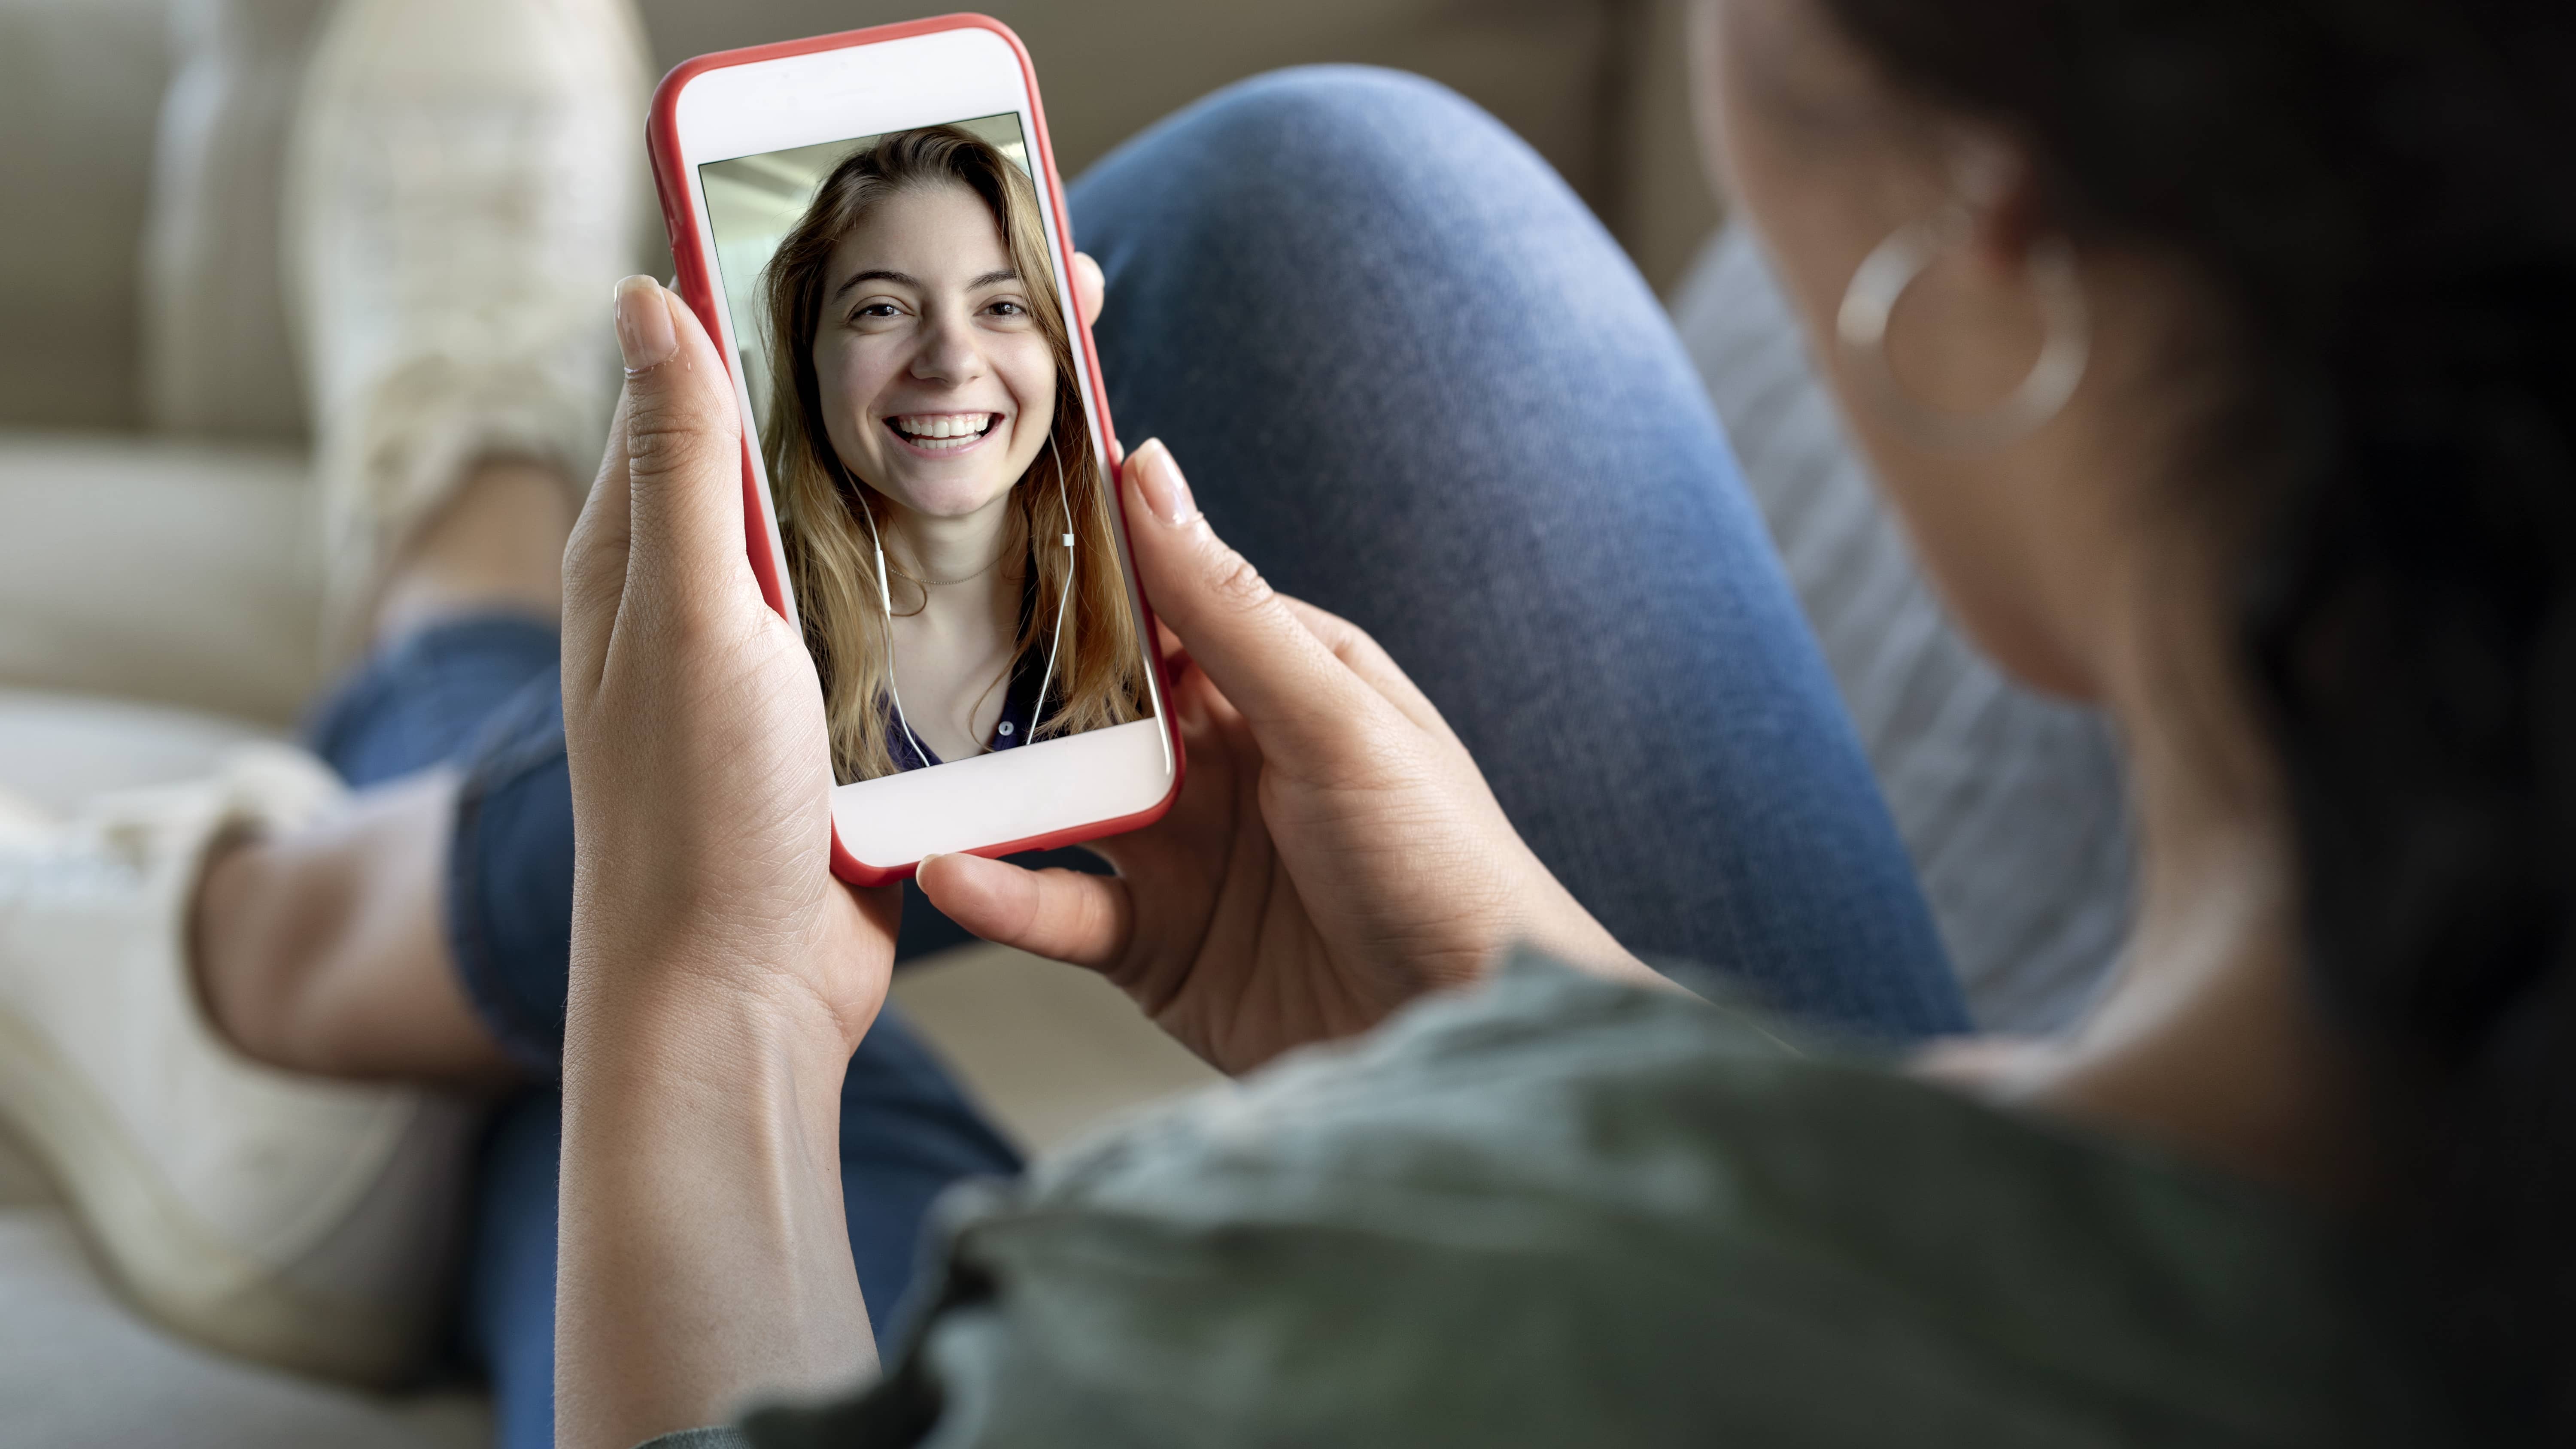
(1159, 479)
(644, 332)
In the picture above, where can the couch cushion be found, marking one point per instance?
(181, 575)
(216, 357)
(80, 88)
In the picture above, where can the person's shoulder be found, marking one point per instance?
(1543, 1081)
(1560, 1210)
(1496, 1090)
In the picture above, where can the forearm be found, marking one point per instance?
(704, 1257)
(1556, 923)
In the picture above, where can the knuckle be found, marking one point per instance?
(1031, 899)
(656, 454)
(1366, 653)
(666, 430)
(1239, 585)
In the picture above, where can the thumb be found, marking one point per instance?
(682, 437)
(1297, 696)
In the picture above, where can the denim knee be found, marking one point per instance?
(1316, 212)
(1331, 254)
(1369, 173)
(1337, 127)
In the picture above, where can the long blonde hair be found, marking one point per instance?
(831, 559)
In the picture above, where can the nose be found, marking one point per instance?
(950, 352)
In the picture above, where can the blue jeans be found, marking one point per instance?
(1415, 382)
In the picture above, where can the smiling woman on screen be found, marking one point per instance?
(940, 501)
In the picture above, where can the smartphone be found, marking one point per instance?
(872, 227)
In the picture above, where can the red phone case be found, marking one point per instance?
(695, 282)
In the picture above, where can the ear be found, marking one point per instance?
(1993, 176)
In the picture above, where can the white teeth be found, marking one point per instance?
(945, 425)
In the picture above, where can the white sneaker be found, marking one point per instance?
(465, 180)
(305, 1223)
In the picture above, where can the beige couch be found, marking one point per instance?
(157, 575)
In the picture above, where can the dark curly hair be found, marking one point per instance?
(2381, 195)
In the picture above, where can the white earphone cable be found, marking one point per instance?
(1055, 646)
(885, 598)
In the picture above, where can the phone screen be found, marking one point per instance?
(914, 382)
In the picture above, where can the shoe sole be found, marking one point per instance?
(171, 1265)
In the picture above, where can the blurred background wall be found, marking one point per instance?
(106, 103)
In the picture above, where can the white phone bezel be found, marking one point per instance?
(1050, 788)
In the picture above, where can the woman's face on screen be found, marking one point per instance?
(936, 384)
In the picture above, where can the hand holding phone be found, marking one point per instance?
(721, 977)
(1335, 852)
(871, 227)
(693, 726)
(699, 762)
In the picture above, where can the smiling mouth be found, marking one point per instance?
(943, 432)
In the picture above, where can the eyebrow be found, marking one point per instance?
(876, 274)
(907, 279)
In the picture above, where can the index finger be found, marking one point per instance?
(1090, 289)
(1295, 693)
